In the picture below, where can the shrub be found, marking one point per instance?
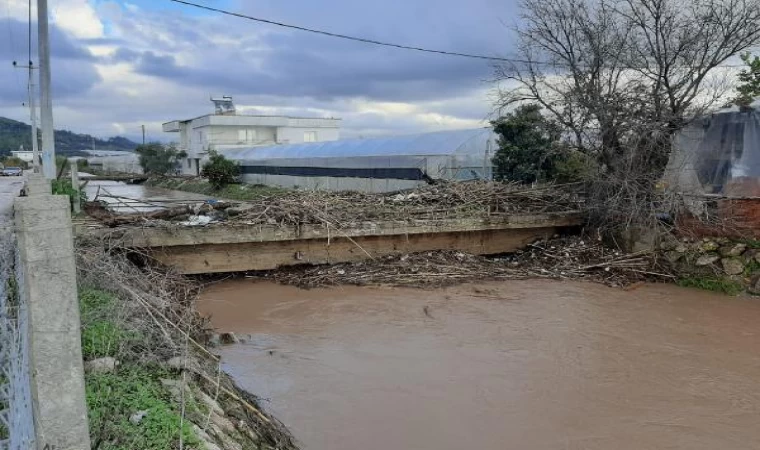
(64, 187)
(220, 171)
(157, 158)
(12, 161)
(531, 149)
(574, 166)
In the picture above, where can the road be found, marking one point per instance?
(9, 189)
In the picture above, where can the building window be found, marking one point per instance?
(310, 136)
(246, 136)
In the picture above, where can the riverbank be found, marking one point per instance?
(151, 379)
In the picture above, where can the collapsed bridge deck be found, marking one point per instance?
(316, 227)
(236, 247)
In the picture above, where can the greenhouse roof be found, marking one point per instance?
(428, 144)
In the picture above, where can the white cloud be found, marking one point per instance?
(17, 9)
(78, 18)
(125, 98)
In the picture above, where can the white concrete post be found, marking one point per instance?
(75, 186)
(46, 98)
(48, 269)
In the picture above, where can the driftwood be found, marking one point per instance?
(99, 211)
(560, 258)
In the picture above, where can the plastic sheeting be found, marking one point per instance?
(463, 142)
(390, 163)
(719, 155)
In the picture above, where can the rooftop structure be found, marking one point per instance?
(227, 130)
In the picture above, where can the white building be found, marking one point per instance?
(24, 155)
(113, 161)
(227, 130)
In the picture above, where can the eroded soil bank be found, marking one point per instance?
(517, 364)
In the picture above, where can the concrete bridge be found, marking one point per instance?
(230, 247)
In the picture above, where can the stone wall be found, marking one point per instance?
(737, 260)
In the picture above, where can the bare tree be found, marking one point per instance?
(624, 76)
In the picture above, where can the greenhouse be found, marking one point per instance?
(371, 165)
(719, 155)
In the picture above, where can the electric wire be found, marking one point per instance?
(526, 62)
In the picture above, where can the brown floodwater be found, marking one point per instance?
(506, 365)
(133, 198)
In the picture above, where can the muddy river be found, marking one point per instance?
(508, 365)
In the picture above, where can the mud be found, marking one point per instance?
(518, 364)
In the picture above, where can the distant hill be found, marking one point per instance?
(14, 134)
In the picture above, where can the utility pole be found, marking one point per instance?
(32, 115)
(46, 104)
(143, 130)
(33, 109)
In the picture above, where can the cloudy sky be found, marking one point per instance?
(120, 64)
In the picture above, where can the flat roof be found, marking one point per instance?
(253, 115)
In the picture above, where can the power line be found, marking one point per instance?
(12, 49)
(350, 38)
(30, 32)
(381, 43)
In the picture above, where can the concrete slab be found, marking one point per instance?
(240, 247)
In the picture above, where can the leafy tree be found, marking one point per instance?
(624, 78)
(219, 170)
(530, 148)
(157, 158)
(749, 89)
(12, 161)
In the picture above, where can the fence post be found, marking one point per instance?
(48, 273)
(75, 185)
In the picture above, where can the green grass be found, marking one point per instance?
(113, 397)
(752, 268)
(111, 400)
(751, 243)
(102, 338)
(240, 192)
(95, 300)
(101, 335)
(714, 284)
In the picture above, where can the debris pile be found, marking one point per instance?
(443, 200)
(559, 258)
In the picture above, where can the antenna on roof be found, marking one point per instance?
(223, 106)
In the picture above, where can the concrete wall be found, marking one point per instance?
(49, 288)
(332, 183)
(291, 135)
